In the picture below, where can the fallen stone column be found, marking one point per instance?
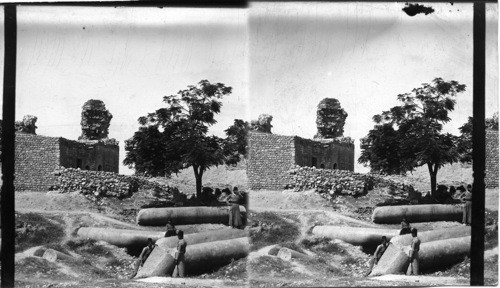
(202, 237)
(287, 254)
(393, 261)
(185, 215)
(120, 237)
(433, 235)
(355, 235)
(441, 253)
(416, 213)
(432, 255)
(198, 258)
(35, 251)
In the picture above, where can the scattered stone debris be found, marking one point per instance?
(27, 125)
(331, 183)
(97, 184)
(262, 124)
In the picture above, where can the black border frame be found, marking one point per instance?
(7, 199)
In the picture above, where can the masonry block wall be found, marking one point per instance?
(37, 157)
(271, 156)
(89, 155)
(326, 154)
(491, 177)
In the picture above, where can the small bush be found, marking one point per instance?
(274, 230)
(87, 246)
(323, 245)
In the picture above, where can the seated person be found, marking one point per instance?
(170, 229)
(405, 227)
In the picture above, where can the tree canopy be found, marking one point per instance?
(236, 145)
(175, 137)
(465, 139)
(410, 135)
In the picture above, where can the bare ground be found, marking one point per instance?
(284, 219)
(50, 220)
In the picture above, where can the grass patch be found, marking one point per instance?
(321, 244)
(274, 229)
(33, 230)
(87, 247)
(290, 245)
(37, 266)
(270, 265)
(235, 270)
(58, 247)
(320, 264)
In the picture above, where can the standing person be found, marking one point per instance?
(405, 227)
(180, 265)
(467, 210)
(234, 211)
(170, 229)
(146, 251)
(378, 254)
(415, 247)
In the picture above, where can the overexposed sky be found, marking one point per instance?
(129, 58)
(280, 58)
(363, 54)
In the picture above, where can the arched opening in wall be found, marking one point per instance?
(87, 167)
(314, 162)
(334, 165)
(79, 163)
(322, 166)
(99, 168)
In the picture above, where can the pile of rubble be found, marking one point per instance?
(98, 184)
(340, 182)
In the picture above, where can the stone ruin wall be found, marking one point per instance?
(324, 154)
(491, 178)
(270, 157)
(90, 155)
(37, 157)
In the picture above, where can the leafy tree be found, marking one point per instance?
(417, 124)
(380, 149)
(465, 139)
(236, 144)
(175, 137)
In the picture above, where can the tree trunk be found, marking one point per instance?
(433, 173)
(198, 174)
